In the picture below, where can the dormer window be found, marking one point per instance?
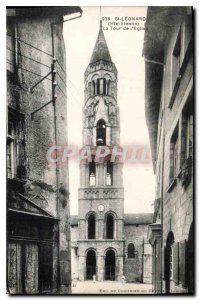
(101, 133)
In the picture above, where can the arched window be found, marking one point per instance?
(101, 86)
(131, 250)
(91, 226)
(104, 86)
(110, 265)
(109, 173)
(92, 173)
(98, 86)
(109, 227)
(90, 264)
(101, 132)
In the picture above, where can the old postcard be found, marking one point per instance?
(100, 150)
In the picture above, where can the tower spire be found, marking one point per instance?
(101, 51)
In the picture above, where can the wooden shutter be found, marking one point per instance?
(176, 263)
(183, 141)
(171, 173)
(182, 262)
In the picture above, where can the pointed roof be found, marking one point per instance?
(101, 49)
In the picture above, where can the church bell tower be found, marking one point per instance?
(101, 196)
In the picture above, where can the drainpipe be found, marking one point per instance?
(54, 97)
(162, 178)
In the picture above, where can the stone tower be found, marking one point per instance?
(101, 195)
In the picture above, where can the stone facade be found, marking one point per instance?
(171, 135)
(137, 268)
(37, 189)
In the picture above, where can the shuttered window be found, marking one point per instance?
(174, 155)
(15, 147)
(182, 262)
(175, 251)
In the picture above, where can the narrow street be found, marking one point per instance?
(111, 287)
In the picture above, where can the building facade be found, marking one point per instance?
(38, 235)
(168, 52)
(101, 243)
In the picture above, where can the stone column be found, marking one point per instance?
(108, 135)
(101, 177)
(114, 174)
(100, 268)
(119, 267)
(100, 229)
(82, 268)
(97, 175)
(94, 136)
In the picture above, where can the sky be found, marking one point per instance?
(125, 47)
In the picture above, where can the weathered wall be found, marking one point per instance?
(178, 201)
(176, 209)
(133, 267)
(44, 186)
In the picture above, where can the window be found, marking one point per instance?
(187, 131)
(109, 227)
(101, 132)
(169, 261)
(91, 226)
(174, 155)
(180, 47)
(98, 86)
(101, 86)
(187, 31)
(15, 147)
(109, 173)
(92, 173)
(176, 59)
(131, 250)
(11, 150)
(10, 47)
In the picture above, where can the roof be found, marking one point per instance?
(24, 206)
(73, 220)
(131, 219)
(100, 51)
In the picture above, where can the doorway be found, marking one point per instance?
(90, 264)
(169, 261)
(110, 265)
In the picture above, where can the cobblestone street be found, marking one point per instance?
(111, 287)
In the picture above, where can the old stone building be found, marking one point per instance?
(105, 242)
(38, 235)
(168, 52)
